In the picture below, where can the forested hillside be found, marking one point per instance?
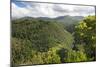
(67, 21)
(39, 41)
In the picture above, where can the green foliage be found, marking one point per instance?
(23, 53)
(42, 34)
(34, 41)
(21, 50)
(72, 55)
(75, 56)
(37, 41)
(86, 33)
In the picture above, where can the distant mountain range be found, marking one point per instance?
(57, 18)
(65, 20)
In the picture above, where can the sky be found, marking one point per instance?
(33, 9)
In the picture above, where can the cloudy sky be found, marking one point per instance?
(32, 9)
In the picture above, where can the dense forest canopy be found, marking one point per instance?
(39, 41)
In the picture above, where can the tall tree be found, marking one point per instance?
(86, 34)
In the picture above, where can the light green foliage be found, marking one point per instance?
(24, 54)
(42, 34)
(86, 33)
(36, 41)
(75, 56)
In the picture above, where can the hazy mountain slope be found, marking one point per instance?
(65, 19)
(42, 34)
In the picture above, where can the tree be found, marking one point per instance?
(86, 34)
(75, 56)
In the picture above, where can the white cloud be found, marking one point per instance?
(18, 11)
(50, 10)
